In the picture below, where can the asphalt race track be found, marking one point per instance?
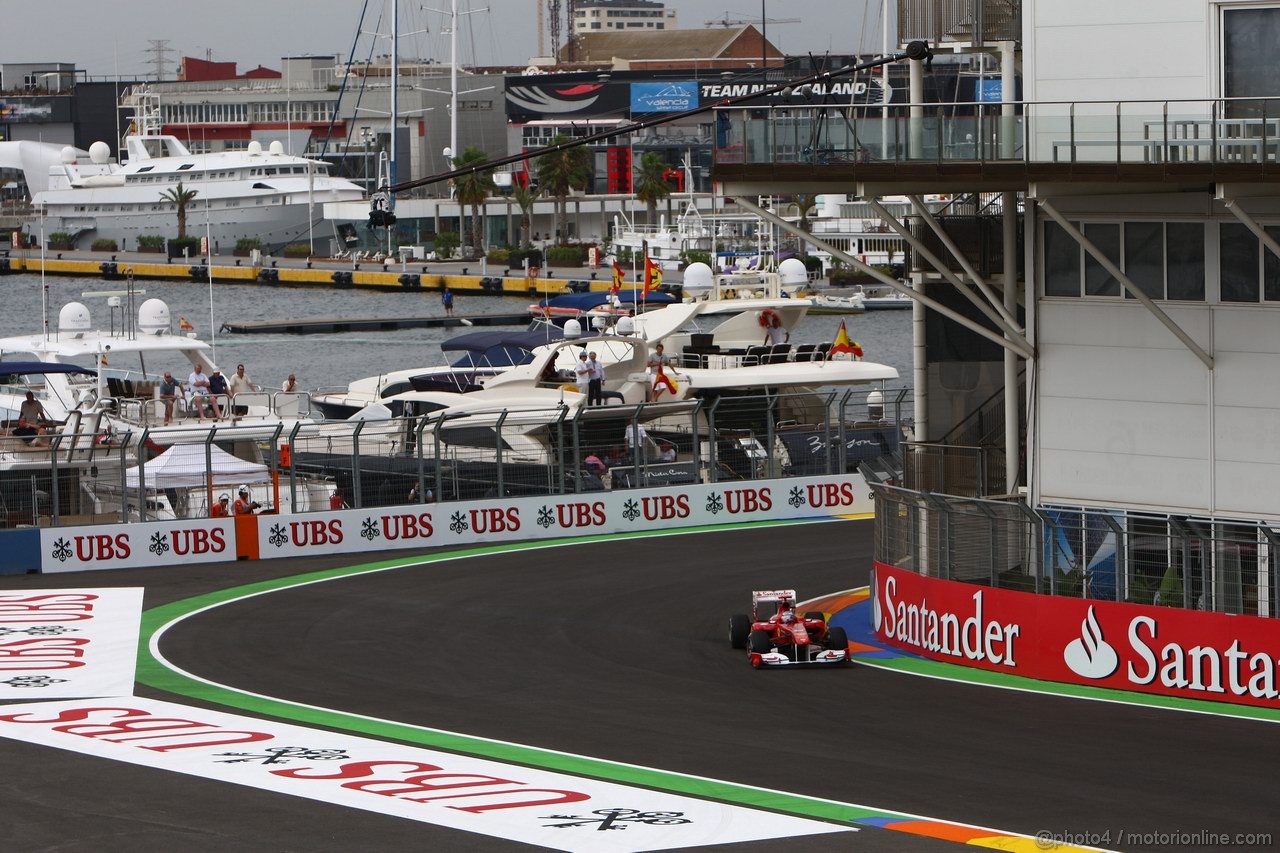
(618, 650)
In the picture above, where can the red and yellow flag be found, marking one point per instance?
(185, 325)
(844, 344)
(652, 276)
(662, 380)
(618, 278)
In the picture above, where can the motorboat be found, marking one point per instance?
(569, 305)
(838, 302)
(482, 354)
(252, 193)
(112, 376)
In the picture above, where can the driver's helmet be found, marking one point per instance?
(788, 617)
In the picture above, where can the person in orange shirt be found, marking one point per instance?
(220, 508)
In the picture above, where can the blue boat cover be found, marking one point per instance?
(33, 368)
(587, 301)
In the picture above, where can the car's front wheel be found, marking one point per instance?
(836, 639)
(760, 643)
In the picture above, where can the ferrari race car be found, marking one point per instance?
(775, 636)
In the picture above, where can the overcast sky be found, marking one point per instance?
(105, 39)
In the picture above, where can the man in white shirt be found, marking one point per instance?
(636, 435)
(582, 374)
(198, 392)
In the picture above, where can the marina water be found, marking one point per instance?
(331, 359)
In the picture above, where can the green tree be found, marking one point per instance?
(561, 172)
(651, 185)
(524, 198)
(180, 197)
(473, 189)
(804, 203)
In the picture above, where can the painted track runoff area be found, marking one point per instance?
(616, 650)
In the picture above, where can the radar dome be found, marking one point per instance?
(572, 329)
(68, 154)
(697, 278)
(74, 317)
(793, 271)
(100, 152)
(255, 148)
(276, 148)
(153, 317)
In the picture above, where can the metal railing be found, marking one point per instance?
(1225, 566)
(1164, 133)
(104, 474)
(973, 21)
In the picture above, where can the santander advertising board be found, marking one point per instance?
(1169, 651)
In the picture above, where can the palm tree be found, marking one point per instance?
(804, 202)
(180, 197)
(651, 182)
(524, 198)
(561, 172)
(473, 189)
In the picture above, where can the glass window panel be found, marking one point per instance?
(1097, 281)
(1144, 256)
(1238, 249)
(1271, 268)
(1250, 63)
(1184, 251)
(1061, 262)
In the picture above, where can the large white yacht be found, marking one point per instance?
(251, 193)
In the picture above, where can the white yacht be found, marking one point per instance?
(265, 195)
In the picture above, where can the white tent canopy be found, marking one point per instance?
(184, 466)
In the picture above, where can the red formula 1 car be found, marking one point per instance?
(775, 636)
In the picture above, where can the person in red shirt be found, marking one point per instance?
(220, 508)
(244, 505)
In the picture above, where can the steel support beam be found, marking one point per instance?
(1252, 224)
(1125, 282)
(923, 212)
(902, 231)
(973, 326)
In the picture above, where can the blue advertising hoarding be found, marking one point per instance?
(663, 97)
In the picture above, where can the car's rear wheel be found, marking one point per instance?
(759, 642)
(739, 630)
(836, 639)
(815, 614)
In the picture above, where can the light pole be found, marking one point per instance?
(366, 136)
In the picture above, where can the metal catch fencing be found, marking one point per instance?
(423, 457)
(1225, 566)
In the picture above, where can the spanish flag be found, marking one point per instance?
(618, 278)
(652, 275)
(662, 380)
(844, 344)
(185, 325)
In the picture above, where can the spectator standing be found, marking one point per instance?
(595, 381)
(446, 299)
(220, 508)
(239, 382)
(582, 375)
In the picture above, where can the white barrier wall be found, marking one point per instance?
(121, 546)
(167, 543)
(554, 516)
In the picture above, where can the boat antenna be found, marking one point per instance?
(208, 256)
(44, 284)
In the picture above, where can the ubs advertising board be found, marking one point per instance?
(1168, 651)
(207, 540)
(385, 528)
